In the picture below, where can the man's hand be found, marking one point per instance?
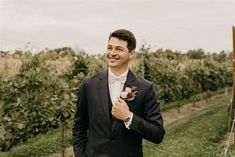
(120, 110)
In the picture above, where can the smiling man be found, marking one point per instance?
(116, 109)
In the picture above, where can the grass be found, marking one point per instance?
(195, 98)
(41, 145)
(197, 136)
(231, 151)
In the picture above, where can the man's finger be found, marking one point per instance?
(116, 103)
(120, 100)
(113, 111)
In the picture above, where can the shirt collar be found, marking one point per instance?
(110, 73)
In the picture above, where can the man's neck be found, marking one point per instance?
(117, 71)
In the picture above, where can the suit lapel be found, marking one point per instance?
(130, 81)
(104, 94)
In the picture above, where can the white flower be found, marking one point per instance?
(129, 93)
(128, 89)
(124, 94)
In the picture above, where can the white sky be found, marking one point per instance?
(175, 24)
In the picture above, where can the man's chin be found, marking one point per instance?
(112, 66)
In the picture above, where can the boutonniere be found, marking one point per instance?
(129, 93)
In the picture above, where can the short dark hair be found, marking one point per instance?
(125, 35)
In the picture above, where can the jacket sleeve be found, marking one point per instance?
(80, 126)
(150, 125)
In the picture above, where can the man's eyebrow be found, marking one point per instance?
(120, 47)
(115, 46)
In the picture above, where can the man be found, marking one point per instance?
(116, 109)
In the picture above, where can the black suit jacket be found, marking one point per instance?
(95, 135)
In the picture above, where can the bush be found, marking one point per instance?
(34, 101)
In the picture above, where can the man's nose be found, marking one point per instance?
(113, 52)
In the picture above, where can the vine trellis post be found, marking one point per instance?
(233, 95)
(231, 129)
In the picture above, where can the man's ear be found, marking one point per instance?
(132, 54)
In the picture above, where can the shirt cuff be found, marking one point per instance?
(128, 123)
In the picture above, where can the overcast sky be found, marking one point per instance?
(174, 24)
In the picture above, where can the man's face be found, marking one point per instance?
(118, 54)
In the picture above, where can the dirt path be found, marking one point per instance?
(188, 110)
(170, 116)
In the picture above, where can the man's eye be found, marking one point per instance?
(118, 49)
(109, 48)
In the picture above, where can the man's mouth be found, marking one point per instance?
(113, 59)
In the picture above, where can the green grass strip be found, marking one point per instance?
(197, 136)
(231, 150)
(195, 98)
(41, 145)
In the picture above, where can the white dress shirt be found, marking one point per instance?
(116, 84)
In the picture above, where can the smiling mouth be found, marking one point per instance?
(113, 58)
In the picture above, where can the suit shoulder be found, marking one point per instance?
(144, 81)
(94, 76)
(89, 79)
